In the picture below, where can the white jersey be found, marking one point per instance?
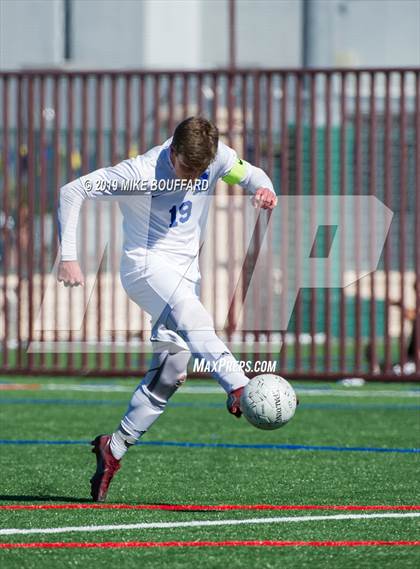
(159, 215)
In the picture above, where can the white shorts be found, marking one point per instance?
(157, 287)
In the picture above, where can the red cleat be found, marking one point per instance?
(234, 402)
(106, 466)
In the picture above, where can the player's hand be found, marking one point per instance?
(264, 198)
(410, 313)
(70, 273)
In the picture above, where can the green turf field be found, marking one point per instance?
(197, 454)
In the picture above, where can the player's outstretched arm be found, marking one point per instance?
(251, 178)
(71, 197)
(101, 184)
(70, 273)
(264, 198)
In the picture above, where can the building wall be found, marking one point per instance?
(30, 33)
(172, 33)
(375, 33)
(107, 33)
(194, 33)
(269, 33)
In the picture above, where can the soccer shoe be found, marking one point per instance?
(234, 402)
(106, 466)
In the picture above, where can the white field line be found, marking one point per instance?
(206, 523)
(339, 393)
(211, 390)
(93, 388)
(208, 390)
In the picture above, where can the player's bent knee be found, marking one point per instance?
(170, 375)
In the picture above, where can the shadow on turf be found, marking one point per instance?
(46, 498)
(43, 498)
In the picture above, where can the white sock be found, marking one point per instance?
(143, 411)
(119, 444)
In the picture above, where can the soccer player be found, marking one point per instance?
(164, 199)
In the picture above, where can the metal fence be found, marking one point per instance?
(335, 132)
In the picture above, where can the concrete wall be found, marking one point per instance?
(194, 33)
(30, 33)
(374, 32)
(108, 33)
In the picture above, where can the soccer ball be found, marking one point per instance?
(268, 401)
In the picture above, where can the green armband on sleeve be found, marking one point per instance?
(236, 174)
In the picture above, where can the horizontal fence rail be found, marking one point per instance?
(332, 140)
